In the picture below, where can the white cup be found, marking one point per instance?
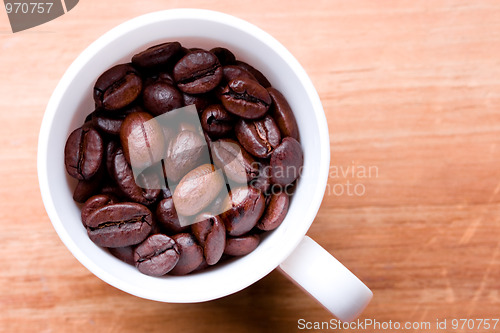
(287, 247)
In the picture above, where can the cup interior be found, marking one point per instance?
(72, 102)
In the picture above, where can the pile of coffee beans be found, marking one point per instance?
(204, 193)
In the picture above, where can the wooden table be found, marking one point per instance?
(411, 90)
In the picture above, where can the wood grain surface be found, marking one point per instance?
(411, 91)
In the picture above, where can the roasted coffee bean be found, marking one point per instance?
(166, 215)
(111, 188)
(194, 49)
(198, 72)
(225, 56)
(216, 121)
(286, 162)
(155, 228)
(125, 254)
(158, 56)
(157, 255)
(83, 153)
(124, 176)
(202, 266)
(110, 152)
(217, 92)
(87, 188)
(117, 87)
(259, 137)
(232, 72)
(243, 208)
(262, 181)
(276, 209)
(255, 72)
(142, 140)
(111, 122)
(88, 118)
(160, 97)
(95, 202)
(191, 254)
(197, 189)
(216, 206)
(158, 77)
(123, 154)
(166, 77)
(237, 164)
(282, 113)
(246, 98)
(201, 101)
(240, 246)
(185, 152)
(211, 234)
(119, 225)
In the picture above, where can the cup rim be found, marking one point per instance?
(124, 28)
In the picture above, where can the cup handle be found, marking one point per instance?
(318, 273)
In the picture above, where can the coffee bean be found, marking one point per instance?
(194, 49)
(117, 87)
(243, 121)
(240, 246)
(142, 140)
(255, 72)
(88, 119)
(197, 72)
(259, 137)
(111, 188)
(86, 188)
(161, 97)
(232, 72)
(119, 225)
(216, 121)
(276, 209)
(225, 56)
(83, 153)
(202, 266)
(237, 164)
(111, 122)
(201, 101)
(282, 113)
(286, 162)
(191, 254)
(216, 206)
(157, 255)
(122, 172)
(197, 189)
(211, 234)
(185, 152)
(155, 77)
(155, 228)
(166, 215)
(158, 56)
(246, 98)
(95, 202)
(262, 181)
(243, 208)
(125, 254)
(166, 77)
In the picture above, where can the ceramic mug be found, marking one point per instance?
(286, 248)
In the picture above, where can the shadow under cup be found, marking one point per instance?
(72, 101)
